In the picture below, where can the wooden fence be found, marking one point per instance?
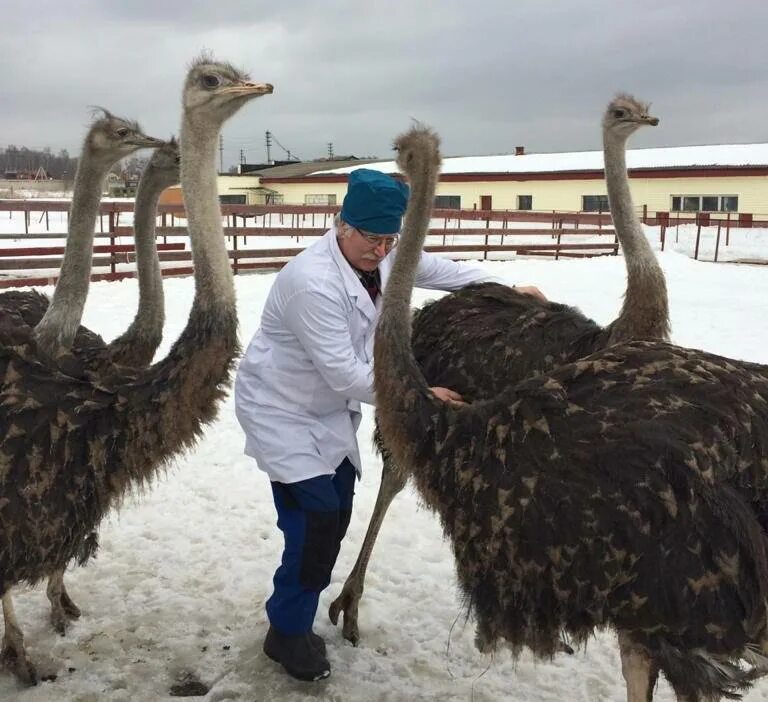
(555, 234)
(559, 235)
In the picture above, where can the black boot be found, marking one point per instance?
(297, 654)
(318, 642)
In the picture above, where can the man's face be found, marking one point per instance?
(365, 251)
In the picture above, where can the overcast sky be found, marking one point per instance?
(488, 75)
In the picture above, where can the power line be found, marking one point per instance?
(291, 157)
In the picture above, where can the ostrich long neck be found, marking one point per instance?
(138, 344)
(399, 384)
(179, 394)
(59, 325)
(645, 312)
(214, 289)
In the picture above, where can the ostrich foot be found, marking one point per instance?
(14, 657)
(62, 607)
(347, 602)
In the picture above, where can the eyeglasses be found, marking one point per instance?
(375, 241)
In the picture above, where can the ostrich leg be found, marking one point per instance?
(62, 606)
(392, 482)
(13, 654)
(640, 673)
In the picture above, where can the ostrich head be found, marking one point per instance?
(214, 91)
(165, 164)
(417, 149)
(624, 115)
(111, 138)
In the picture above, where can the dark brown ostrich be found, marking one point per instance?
(71, 447)
(137, 345)
(614, 491)
(108, 139)
(488, 336)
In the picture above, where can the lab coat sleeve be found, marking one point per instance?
(321, 325)
(437, 273)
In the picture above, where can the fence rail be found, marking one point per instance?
(496, 232)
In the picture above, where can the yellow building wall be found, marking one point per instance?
(294, 193)
(566, 195)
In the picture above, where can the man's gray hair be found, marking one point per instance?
(343, 230)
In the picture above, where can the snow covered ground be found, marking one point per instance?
(179, 584)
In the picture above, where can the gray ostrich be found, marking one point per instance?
(488, 336)
(622, 490)
(108, 140)
(137, 345)
(72, 446)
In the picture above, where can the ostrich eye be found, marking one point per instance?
(122, 132)
(619, 113)
(211, 81)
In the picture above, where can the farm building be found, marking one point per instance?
(714, 178)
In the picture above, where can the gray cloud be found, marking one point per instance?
(487, 75)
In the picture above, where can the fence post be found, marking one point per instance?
(26, 218)
(698, 237)
(717, 240)
(112, 241)
(728, 230)
(234, 257)
(663, 235)
(557, 250)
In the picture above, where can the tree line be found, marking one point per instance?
(59, 166)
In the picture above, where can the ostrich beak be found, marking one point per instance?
(145, 142)
(653, 121)
(249, 88)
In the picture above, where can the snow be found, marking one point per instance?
(712, 155)
(184, 570)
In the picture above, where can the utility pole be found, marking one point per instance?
(221, 153)
(330, 150)
(269, 145)
(242, 156)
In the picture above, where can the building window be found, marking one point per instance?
(320, 199)
(691, 204)
(594, 203)
(729, 203)
(525, 202)
(232, 199)
(447, 202)
(705, 203)
(274, 198)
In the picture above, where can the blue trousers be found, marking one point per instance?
(313, 515)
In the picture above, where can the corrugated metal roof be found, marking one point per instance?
(303, 168)
(715, 155)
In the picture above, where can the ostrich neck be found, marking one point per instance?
(645, 312)
(138, 344)
(59, 325)
(404, 403)
(214, 288)
(181, 393)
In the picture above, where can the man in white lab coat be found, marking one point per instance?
(298, 393)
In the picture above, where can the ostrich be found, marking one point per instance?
(72, 447)
(137, 345)
(108, 140)
(592, 495)
(487, 336)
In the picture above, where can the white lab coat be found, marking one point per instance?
(307, 369)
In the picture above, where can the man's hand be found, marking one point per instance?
(531, 290)
(450, 396)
